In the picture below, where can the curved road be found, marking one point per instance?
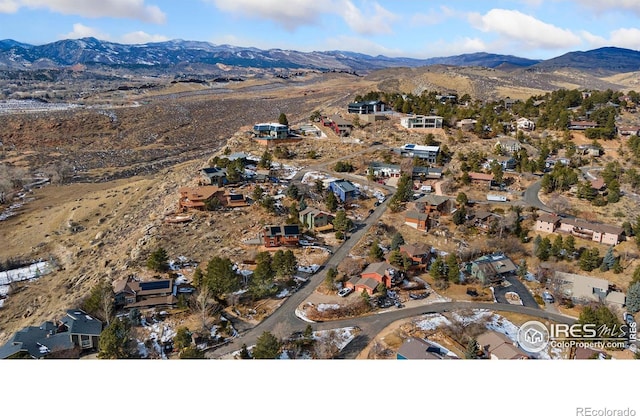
(531, 197)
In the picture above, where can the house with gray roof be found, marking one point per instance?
(75, 333)
(344, 190)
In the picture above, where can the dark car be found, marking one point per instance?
(385, 302)
(417, 296)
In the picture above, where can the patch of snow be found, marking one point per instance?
(433, 322)
(327, 306)
(142, 350)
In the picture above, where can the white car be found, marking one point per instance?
(344, 291)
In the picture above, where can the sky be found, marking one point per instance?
(537, 29)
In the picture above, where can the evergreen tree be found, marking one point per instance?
(183, 338)
(341, 222)
(522, 269)
(198, 277)
(396, 241)
(191, 353)
(262, 280)
(265, 160)
(244, 353)
(617, 266)
(570, 245)
(453, 270)
(375, 252)
(267, 347)
(544, 249)
(608, 260)
(437, 269)
(158, 261)
(220, 277)
(114, 340)
(473, 350)
(536, 243)
(633, 298)
(100, 302)
(331, 201)
(556, 247)
(293, 192)
(460, 216)
(589, 259)
(282, 119)
(462, 199)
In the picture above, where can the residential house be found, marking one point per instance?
(422, 173)
(419, 349)
(421, 122)
(417, 220)
(491, 268)
(481, 178)
(600, 233)
(590, 150)
(197, 197)
(466, 124)
(498, 346)
(317, 220)
(339, 125)
(385, 170)
(373, 275)
(213, 176)
(508, 146)
(525, 124)
(428, 153)
(598, 184)
(131, 293)
(434, 203)
(344, 190)
(547, 223)
(281, 235)
(629, 130)
(75, 333)
(419, 253)
(582, 125)
(274, 134)
(505, 162)
(586, 289)
(482, 219)
(366, 107)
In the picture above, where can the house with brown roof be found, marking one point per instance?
(434, 203)
(280, 235)
(547, 223)
(481, 178)
(199, 197)
(600, 233)
(131, 293)
(582, 125)
(417, 220)
(498, 346)
(372, 276)
(419, 253)
(482, 219)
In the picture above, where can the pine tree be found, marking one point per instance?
(544, 249)
(472, 350)
(375, 252)
(158, 260)
(114, 341)
(331, 201)
(396, 241)
(453, 270)
(437, 268)
(570, 245)
(633, 298)
(608, 260)
(267, 347)
(556, 247)
(282, 119)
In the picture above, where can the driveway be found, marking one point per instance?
(531, 197)
(515, 285)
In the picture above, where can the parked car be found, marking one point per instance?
(385, 302)
(548, 297)
(345, 291)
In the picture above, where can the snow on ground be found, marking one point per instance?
(32, 271)
(327, 306)
(311, 177)
(433, 322)
(341, 337)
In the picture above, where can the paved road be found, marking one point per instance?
(516, 286)
(531, 197)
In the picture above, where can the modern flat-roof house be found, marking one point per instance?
(366, 107)
(505, 162)
(131, 293)
(498, 346)
(417, 220)
(422, 122)
(422, 172)
(587, 289)
(491, 268)
(629, 130)
(315, 219)
(525, 124)
(75, 333)
(281, 235)
(428, 153)
(213, 176)
(345, 191)
(385, 170)
(600, 233)
(466, 124)
(273, 134)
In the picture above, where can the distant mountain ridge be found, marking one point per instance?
(163, 56)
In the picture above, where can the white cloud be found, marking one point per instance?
(82, 31)
(623, 38)
(370, 18)
(457, 47)
(606, 5)
(141, 37)
(526, 30)
(376, 21)
(132, 9)
(291, 15)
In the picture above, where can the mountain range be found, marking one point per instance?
(175, 55)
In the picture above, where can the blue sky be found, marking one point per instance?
(420, 29)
